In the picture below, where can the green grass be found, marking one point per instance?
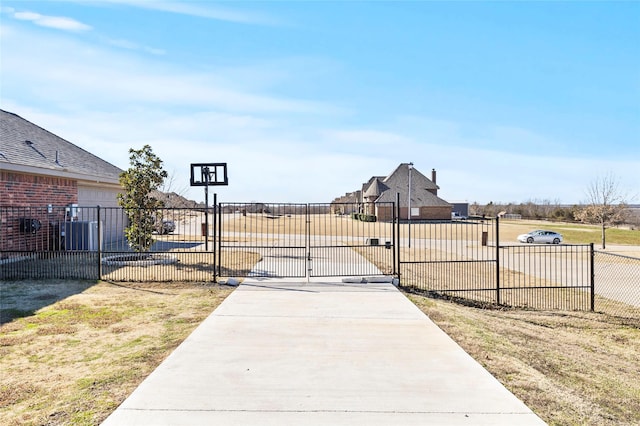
(578, 233)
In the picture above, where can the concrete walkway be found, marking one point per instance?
(281, 352)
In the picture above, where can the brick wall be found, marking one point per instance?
(20, 189)
(25, 196)
(428, 213)
(435, 213)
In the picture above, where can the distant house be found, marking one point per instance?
(347, 204)
(379, 192)
(40, 169)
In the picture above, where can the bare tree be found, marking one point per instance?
(172, 195)
(605, 204)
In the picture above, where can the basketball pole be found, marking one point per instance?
(219, 171)
(206, 207)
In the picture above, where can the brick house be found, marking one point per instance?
(379, 191)
(51, 180)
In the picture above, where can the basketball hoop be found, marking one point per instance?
(209, 174)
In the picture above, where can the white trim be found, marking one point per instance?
(59, 173)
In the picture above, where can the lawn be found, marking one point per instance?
(570, 368)
(71, 352)
(573, 233)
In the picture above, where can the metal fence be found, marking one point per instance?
(79, 242)
(307, 240)
(455, 258)
(546, 276)
(461, 258)
(275, 232)
(464, 259)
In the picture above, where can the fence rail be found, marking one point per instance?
(88, 242)
(464, 259)
(306, 240)
(547, 276)
(461, 258)
(454, 258)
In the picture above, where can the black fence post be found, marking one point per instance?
(593, 277)
(393, 238)
(309, 264)
(497, 260)
(215, 234)
(218, 245)
(99, 242)
(399, 239)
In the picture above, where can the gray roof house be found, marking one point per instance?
(425, 203)
(67, 174)
(47, 180)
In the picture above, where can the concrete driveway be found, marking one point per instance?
(284, 352)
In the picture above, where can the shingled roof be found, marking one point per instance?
(29, 148)
(423, 190)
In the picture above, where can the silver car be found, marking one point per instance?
(541, 236)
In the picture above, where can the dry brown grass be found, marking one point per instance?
(190, 266)
(570, 368)
(75, 360)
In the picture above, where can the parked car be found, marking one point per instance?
(541, 236)
(166, 227)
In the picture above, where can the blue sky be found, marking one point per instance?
(508, 101)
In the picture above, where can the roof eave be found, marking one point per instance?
(60, 173)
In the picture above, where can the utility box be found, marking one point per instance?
(29, 225)
(81, 236)
(373, 241)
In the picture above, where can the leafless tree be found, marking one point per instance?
(605, 205)
(171, 194)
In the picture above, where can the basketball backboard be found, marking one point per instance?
(209, 174)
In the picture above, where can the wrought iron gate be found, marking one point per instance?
(309, 240)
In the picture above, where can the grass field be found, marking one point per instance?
(573, 233)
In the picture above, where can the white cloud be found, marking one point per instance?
(126, 44)
(366, 137)
(57, 22)
(199, 9)
(266, 165)
(84, 75)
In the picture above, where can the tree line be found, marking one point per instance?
(605, 205)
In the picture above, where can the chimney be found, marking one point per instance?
(433, 175)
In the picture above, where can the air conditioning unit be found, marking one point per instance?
(81, 235)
